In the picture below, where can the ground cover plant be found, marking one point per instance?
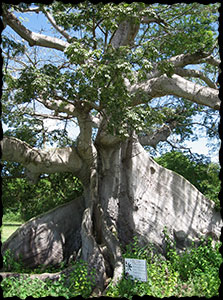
(80, 282)
(192, 272)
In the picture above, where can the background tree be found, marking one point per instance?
(130, 76)
(26, 200)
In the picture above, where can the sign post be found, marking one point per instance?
(136, 268)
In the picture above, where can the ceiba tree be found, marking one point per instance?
(130, 75)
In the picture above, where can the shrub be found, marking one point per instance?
(194, 272)
(80, 282)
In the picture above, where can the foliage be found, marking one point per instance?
(194, 272)
(20, 196)
(91, 70)
(80, 281)
(203, 174)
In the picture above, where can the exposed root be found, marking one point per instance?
(111, 240)
(42, 276)
(90, 250)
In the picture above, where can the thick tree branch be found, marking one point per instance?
(41, 161)
(36, 9)
(196, 74)
(125, 34)
(183, 60)
(34, 39)
(59, 105)
(178, 61)
(160, 135)
(176, 86)
(211, 60)
(85, 146)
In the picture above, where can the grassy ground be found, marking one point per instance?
(7, 229)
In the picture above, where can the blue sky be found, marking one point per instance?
(38, 23)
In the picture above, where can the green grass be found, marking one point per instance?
(10, 222)
(7, 229)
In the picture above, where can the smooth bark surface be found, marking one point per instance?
(130, 195)
(50, 238)
(126, 193)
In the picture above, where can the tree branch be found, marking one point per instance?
(36, 9)
(178, 61)
(125, 34)
(85, 146)
(176, 86)
(46, 116)
(160, 135)
(59, 105)
(196, 74)
(212, 61)
(41, 161)
(58, 28)
(34, 39)
(183, 60)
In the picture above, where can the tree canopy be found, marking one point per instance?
(154, 80)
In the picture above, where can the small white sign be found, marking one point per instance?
(136, 268)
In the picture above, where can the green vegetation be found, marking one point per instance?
(7, 230)
(10, 222)
(127, 87)
(80, 281)
(194, 272)
(23, 200)
(203, 174)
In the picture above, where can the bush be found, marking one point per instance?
(27, 200)
(194, 272)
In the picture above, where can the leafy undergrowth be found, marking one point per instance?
(80, 282)
(194, 272)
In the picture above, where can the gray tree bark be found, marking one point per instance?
(126, 193)
(129, 195)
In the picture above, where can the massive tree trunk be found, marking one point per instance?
(128, 195)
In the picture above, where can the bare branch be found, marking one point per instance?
(58, 28)
(176, 86)
(46, 116)
(160, 135)
(34, 39)
(15, 59)
(196, 74)
(38, 161)
(36, 9)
